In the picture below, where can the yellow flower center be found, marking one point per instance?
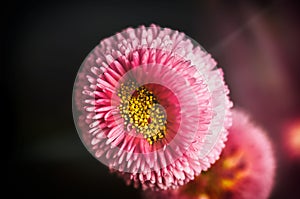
(141, 111)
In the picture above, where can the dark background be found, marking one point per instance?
(44, 43)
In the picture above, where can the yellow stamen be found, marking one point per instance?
(140, 108)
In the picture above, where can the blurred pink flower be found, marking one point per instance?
(150, 104)
(245, 170)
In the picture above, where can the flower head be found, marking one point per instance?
(151, 105)
(245, 169)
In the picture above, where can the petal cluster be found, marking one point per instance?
(151, 105)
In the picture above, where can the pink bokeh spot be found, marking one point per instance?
(291, 138)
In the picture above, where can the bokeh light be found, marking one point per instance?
(291, 138)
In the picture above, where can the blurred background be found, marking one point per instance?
(45, 42)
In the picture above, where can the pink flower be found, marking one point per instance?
(244, 171)
(150, 104)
